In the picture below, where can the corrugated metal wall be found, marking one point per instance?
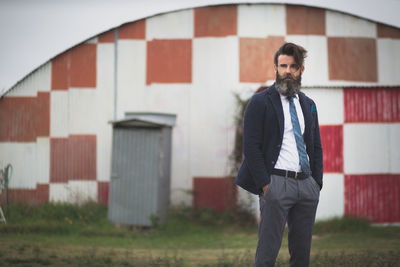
(135, 174)
(375, 197)
(54, 126)
(140, 175)
(372, 105)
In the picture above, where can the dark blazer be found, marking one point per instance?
(263, 135)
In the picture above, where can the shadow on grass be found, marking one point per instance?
(59, 221)
(94, 258)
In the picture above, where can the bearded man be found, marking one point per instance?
(283, 160)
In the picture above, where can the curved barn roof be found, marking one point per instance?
(33, 32)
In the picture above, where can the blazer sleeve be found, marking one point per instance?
(253, 134)
(318, 155)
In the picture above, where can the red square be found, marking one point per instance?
(133, 30)
(257, 58)
(169, 61)
(385, 31)
(23, 119)
(83, 65)
(41, 114)
(82, 157)
(59, 160)
(216, 21)
(373, 196)
(216, 193)
(103, 189)
(371, 104)
(332, 145)
(352, 59)
(39, 195)
(60, 72)
(107, 37)
(305, 20)
(73, 158)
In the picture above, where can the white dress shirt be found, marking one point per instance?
(289, 157)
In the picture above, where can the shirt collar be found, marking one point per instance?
(296, 96)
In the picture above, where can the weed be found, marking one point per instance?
(36, 252)
(39, 236)
(237, 260)
(87, 213)
(369, 258)
(22, 249)
(340, 225)
(155, 220)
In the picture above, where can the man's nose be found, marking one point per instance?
(287, 70)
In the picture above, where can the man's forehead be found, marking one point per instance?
(285, 59)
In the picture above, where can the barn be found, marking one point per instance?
(57, 124)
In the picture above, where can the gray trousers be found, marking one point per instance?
(292, 201)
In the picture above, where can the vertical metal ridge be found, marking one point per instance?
(115, 72)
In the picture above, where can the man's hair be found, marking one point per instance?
(291, 49)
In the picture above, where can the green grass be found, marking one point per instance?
(68, 235)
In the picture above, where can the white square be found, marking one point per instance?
(394, 145)
(261, 20)
(331, 199)
(131, 76)
(366, 148)
(388, 61)
(215, 78)
(59, 113)
(30, 162)
(329, 102)
(77, 192)
(339, 24)
(172, 25)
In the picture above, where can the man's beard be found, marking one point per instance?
(289, 87)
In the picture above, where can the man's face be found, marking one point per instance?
(288, 75)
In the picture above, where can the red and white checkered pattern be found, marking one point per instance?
(190, 62)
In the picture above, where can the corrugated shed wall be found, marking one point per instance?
(135, 168)
(374, 196)
(54, 124)
(372, 105)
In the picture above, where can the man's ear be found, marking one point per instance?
(274, 68)
(302, 69)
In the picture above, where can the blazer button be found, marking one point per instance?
(273, 162)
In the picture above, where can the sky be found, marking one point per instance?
(34, 31)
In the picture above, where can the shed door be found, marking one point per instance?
(134, 175)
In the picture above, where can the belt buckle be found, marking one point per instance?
(295, 175)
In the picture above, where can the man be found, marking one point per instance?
(283, 160)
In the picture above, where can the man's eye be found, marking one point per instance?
(294, 66)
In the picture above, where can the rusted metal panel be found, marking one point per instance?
(352, 59)
(332, 145)
(73, 158)
(374, 196)
(35, 196)
(103, 189)
(218, 193)
(371, 104)
(23, 119)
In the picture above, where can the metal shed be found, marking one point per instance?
(140, 171)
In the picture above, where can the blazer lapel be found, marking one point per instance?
(307, 115)
(276, 102)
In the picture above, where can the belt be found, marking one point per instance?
(291, 174)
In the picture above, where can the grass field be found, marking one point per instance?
(67, 235)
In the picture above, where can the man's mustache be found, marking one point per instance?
(287, 76)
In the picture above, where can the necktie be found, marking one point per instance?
(305, 165)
